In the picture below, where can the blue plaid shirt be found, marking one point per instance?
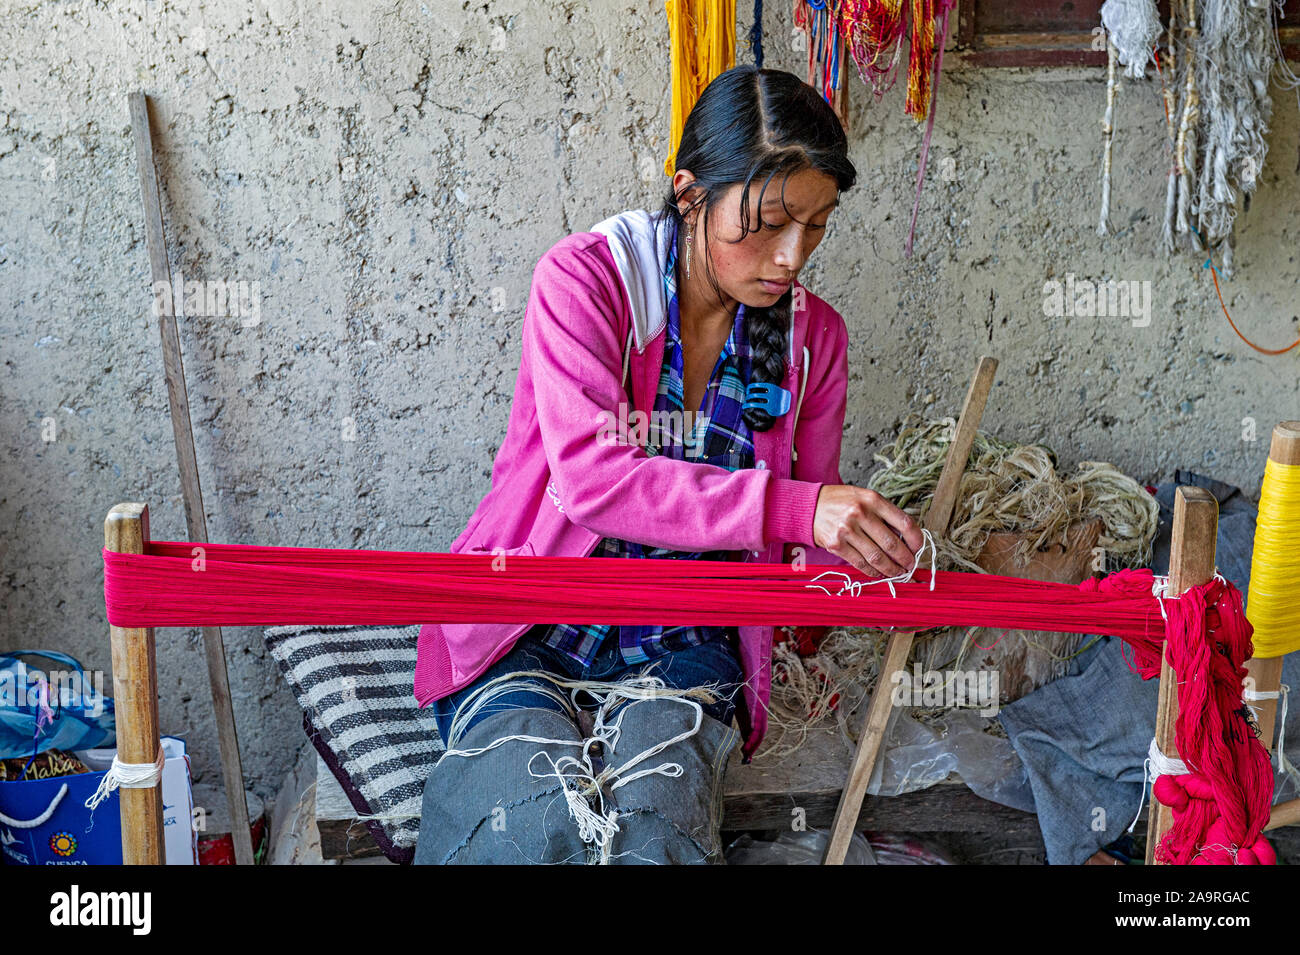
(720, 437)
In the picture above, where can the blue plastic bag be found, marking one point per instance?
(37, 714)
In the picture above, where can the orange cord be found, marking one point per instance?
(1155, 54)
(1265, 351)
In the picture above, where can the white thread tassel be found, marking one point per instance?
(128, 776)
(1132, 25)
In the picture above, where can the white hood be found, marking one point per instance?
(640, 254)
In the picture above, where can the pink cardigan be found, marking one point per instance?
(557, 490)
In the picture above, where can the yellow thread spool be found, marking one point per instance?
(1273, 599)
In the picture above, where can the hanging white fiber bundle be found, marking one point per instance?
(1131, 30)
(1215, 73)
(1133, 26)
(1235, 56)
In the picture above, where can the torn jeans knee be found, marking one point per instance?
(541, 769)
(489, 808)
(672, 818)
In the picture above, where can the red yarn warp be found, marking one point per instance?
(181, 584)
(1219, 809)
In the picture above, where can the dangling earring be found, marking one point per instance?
(688, 252)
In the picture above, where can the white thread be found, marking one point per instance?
(498, 687)
(1162, 765)
(1231, 850)
(1160, 590)
(1146, 778)
(854, 587)
(1133, 26)
(1258, 695)
(1284, 765)
(803, 383)
(1156, 764)
(128, 776)
(576, 774)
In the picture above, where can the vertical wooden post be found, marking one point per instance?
(1266, 672)
(1191, 563)
(135, 700)
(899, 646)
(196, 523)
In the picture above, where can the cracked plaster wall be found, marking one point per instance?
(386, 176)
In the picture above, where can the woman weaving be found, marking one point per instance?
(693, 315)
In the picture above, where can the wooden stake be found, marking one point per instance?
(195, 521)
(1266, 672)
(135, 699)
(1191, 563)
(1265, 675)
(900, 643)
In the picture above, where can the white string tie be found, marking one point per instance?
(1160, 590)
(128, 776)
(1284, 765)
(1156, 764)
(854, 587)
(1162, 765)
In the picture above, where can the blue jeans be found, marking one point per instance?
(712, 662)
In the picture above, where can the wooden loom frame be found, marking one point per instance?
(1195, 526)
(1191, 563)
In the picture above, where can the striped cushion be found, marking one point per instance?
(354, 686)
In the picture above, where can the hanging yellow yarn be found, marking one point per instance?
(1273, 601)
(702, 36)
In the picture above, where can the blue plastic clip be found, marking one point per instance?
(766, 396)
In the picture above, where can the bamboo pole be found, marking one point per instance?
(1266, 673)
(135, 701)
(1191, 563)
(196, 524)
(900, 643)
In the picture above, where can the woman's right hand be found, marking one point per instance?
(865, 529)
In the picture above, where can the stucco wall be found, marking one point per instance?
(384, 178)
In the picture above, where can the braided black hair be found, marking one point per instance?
(752, 122)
